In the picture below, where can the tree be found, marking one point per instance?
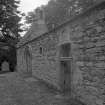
(58, 11)
(10, 18)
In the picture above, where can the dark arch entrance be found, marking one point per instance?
(28, 58)
(10, 62)
(8, 55)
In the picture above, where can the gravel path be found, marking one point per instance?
(16, 90)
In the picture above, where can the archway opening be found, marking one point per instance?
(7, 65)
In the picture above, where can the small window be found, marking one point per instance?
(41, 50)
(65, 50)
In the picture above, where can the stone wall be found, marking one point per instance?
(45, 63)
(87, 35)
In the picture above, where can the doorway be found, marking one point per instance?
(28, 58)
(65, 67)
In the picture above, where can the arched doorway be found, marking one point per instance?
(7, 64)
(9, 57)
(28, 58)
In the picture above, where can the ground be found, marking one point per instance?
(18, 90)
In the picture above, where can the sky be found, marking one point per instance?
(29, 5)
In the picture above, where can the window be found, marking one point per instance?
(65, 50)
(41, 50)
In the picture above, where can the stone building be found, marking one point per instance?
(70, 57)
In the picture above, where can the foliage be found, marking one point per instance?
(10, 17)
(58, 11)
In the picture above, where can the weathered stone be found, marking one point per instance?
(100, 64)
(79, 63)
(99, 28)
(85, 54)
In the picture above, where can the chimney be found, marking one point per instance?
(40, 17)
(39, 26)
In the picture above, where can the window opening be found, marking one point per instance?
(65, 50)
(41, 50)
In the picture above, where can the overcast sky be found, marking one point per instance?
(29, 5)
